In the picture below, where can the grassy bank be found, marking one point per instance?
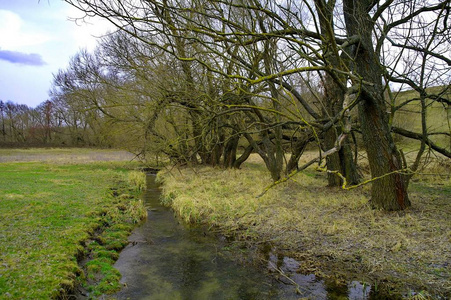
(333, 233)
(55, 213)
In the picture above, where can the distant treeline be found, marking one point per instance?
(50, 124)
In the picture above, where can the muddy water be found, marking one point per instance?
(166, 259)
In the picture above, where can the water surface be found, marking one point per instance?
(166, 259)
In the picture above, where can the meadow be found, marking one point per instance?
(57, 207)
(66, 213)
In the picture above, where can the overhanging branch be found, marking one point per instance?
(417, 136)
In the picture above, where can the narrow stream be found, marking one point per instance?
(169, 260)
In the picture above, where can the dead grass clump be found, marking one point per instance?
(137, 179)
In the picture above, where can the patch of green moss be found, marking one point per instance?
(112, 255)
(118, 221)
(104, 276)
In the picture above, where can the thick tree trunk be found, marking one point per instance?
(334, 86)
(209, 148)
(272, 157)
(341, 161)
(230, 151)
(388, 191)
(240, 160)
(273, 147)
(297, 149)
(269, 152)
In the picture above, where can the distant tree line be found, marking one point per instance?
(51, 124)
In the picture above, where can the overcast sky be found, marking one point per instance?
(36, 40)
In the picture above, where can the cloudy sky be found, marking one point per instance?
(36, 40)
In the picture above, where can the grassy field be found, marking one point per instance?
(438, 117)
(333, 233)
(63, 155)
(53, 213)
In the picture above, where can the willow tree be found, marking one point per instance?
(343, 42)
(369, 21)
(334, 83)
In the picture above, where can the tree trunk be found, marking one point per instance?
(341, 161)
(334, 86)
(388, 191)
(230, 151)
(297, 149)
(272, 157)
(333, 162)
(240, 160)
(268, 151)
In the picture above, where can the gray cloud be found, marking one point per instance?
(16, 57)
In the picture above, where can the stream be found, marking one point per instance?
(166, 259)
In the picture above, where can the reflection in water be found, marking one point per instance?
(168, 260)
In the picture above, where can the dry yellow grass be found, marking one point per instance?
(324, 226)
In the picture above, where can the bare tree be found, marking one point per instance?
(263, 47)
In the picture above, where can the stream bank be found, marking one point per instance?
(168, 259)
(331, 233)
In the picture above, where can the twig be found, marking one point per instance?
(298, 288)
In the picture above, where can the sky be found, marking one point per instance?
(37, 38)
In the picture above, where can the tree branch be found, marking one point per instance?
(417, 136)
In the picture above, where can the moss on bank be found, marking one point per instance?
(333, 233)
(52, 214)
(102, 248)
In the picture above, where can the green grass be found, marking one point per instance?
(437, 117)
(49, 212)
